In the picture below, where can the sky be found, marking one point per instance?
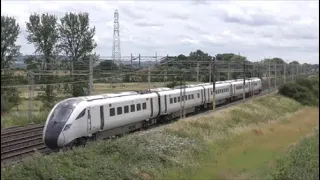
(255, 29)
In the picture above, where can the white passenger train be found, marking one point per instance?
(73, 121)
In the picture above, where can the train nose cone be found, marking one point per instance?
(52, 134)
(51, 141)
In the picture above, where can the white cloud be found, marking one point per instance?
(256, 29)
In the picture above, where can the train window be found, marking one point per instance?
(144, 105)
(189, 97)
(170, 100)
(132, 107)
(198, 95)
(192, 97)
(182, 98)
(81, 114)
(138, 107)
(186, 97)
(211, 92)
(174, 99)
(112, 112)
(126, 109)
(179, 99)
(119, 110)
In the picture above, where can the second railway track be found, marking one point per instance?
(20, 142)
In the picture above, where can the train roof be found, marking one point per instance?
(127, 98)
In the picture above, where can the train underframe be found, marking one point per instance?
(123, 130)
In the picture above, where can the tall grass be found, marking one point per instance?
(302, 161)
(213, 126)
(22, 119)
(150, 154)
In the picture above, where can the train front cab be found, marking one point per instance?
(57, 123)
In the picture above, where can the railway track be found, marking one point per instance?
(20, 142)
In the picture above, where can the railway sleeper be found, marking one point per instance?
(4, 143)
(19, 148)
(33, 148)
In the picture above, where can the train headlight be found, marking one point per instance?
(67, 127)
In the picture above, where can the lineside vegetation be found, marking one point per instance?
(305, 91)
(153, 154)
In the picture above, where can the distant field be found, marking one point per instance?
(100, 88)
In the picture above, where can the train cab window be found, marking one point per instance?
(179, 99)
(174, 99)
(81, 114)
(112, 112)
(132, 108)
(192, 96)
(138, 107)
(198, 95)
(144, 105)
(119, 110)
(170, 100)
(126, 109)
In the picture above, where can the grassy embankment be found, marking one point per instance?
(242, 141)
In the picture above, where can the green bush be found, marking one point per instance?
(22, 119)
(302, 162)
(305, 91)
(174, 83)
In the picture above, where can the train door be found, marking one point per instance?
(151, 107)
(165, 104)
(93, 119)
(203, 94)
(102, 118)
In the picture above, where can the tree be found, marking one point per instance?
(107, 65)
(9, 51)
(77, 43)
(182, 57)
(43, 34)
(294, 63)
